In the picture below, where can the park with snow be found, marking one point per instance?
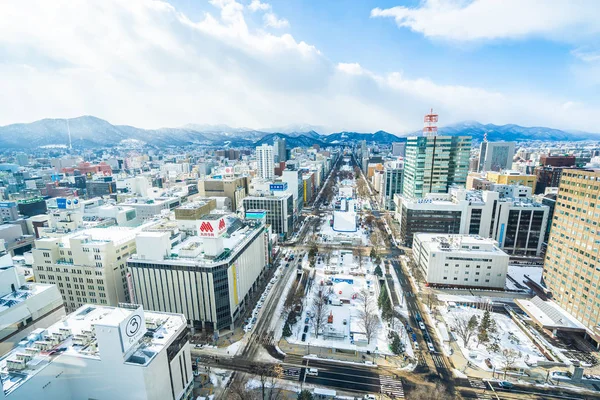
(497, 345)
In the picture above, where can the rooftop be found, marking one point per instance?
(21, 294)
(75, 337)
(458, 243)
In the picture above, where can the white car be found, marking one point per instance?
(422, 326)
(312, 371)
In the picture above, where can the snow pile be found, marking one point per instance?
(508, 333)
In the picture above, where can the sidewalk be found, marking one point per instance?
(339, 355)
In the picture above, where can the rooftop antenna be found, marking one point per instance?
(430, 128)
(485, 137)
(69, 131)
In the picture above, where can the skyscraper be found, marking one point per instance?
(282, 149)
(391, 183)
(572, 266)
(433, 164)
(266, 165)
(496, 156)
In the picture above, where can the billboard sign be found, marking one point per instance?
(212, 228)
(132, 328)
(278, 187)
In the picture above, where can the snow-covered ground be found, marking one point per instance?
(328, 235)
(518, 273)
(344, 331)
(509, 334)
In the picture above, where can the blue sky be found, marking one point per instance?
(337, 64)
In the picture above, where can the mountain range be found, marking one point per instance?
(89, 131)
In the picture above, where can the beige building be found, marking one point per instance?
(89, 266)
(572, 265)
(512, 178)
(233, 188)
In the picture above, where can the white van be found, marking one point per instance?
(312, 371)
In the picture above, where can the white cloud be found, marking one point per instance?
(256, 5)
(143, 63)
(586, 54)
(271, 20)
(467, 20)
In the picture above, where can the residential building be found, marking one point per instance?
(8, 211)
(88, 266)
(435, 163)
(571, 267)
(495, 156)
(208, 277)
(265, 162)
(460, 261)
(280, 212)
(101, 352)
(512, 178)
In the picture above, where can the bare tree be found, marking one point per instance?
(426, 392)
(465, 328)
(268, 375)
(238, 391)
(509, 359)
(368, 319)
(320, 308)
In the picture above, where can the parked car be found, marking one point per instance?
(305, 328)
(505, 385)
(312, 372)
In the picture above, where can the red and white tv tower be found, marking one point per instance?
(430, 127)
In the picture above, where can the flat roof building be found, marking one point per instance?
(460, 261)
(207, 277)
(101, 352)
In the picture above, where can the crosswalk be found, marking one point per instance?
(294, 359)
(391, 387)
(477, 383)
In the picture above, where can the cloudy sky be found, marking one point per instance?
(358, 65)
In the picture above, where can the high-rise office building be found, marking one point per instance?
(572, 266)
(496, 156)
(434, 163)
(281, 150)
(398, 149)
(266, 164)
(391, 183)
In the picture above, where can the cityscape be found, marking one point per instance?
(441, 258)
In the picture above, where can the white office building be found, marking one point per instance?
(265, 161)
(101, 352)
(25, 306)
(88, 266)
(208, 277)
(460, 261)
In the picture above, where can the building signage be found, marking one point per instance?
(212, 228)
(132, 328)
(256, 214)
(278, 187)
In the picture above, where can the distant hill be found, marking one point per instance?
(89, 131)
(512, 132)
